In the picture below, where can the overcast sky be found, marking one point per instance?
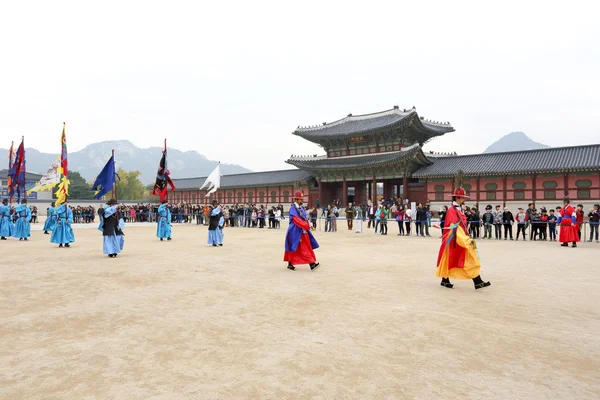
(232, 80)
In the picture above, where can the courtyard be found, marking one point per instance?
(180, 319)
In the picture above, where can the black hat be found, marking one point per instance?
(488, 207)
(111, 202)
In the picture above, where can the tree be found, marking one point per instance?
(79, 189)
(130, 187)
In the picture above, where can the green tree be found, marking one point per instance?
(130, 187)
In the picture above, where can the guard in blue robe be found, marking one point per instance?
(22, 227)
(50, 220)
(6, 224)
(215, 225)
(63, 232)
(163, 228)
(110, 219)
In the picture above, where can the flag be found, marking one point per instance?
(213, 181)
(11, 163)
(17, 173)
(163, 178)
(50, 179)
(63, 186)
(106, 179)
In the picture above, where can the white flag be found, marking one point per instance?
(213, 181)
(50, 179)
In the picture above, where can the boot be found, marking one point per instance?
(446, 283)
(291, 267)
(314, 266)
(479, 283)
(565, 245)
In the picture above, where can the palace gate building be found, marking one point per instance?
(381, 155)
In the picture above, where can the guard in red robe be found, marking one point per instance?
(568, 228)
(458, 256)
(299, 241)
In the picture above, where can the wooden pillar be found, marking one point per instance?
(566, 184)
(504, 191)
(344, 199)
(374, 190)
(405, 186)
(534, 192)
(321, 200)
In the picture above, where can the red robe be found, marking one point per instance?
(304, 254)
(457, 257)
(568, 230)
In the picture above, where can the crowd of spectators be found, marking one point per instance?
(494, 223)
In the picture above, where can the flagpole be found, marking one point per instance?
(10, 165)
(166, 188)
(115, 181)
(24, 168)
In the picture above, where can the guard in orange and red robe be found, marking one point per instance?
(299, 241)
(568, 229)
(458, 256)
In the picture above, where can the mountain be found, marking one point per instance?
(89, 161)
(514, 141)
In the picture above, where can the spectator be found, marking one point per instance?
(521, 219)
(508, 220)
(594, 220)
(498, 222)
(349, 215)
(488, 221)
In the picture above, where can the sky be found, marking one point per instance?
(232, 80)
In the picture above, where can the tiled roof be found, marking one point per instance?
(316, 163)
(369, 123)
(556, 159)
(267, 178)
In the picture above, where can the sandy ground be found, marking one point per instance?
(180, 319)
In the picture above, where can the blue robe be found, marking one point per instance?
(216, 236)
(22, 228)
(63, 232)
(6, 224)
(294, 232)
(163, 229)
(113, 244)
(50, 220)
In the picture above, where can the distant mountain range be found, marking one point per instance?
(514, 141)
(89, 161)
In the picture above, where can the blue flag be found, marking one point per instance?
(106, 179)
